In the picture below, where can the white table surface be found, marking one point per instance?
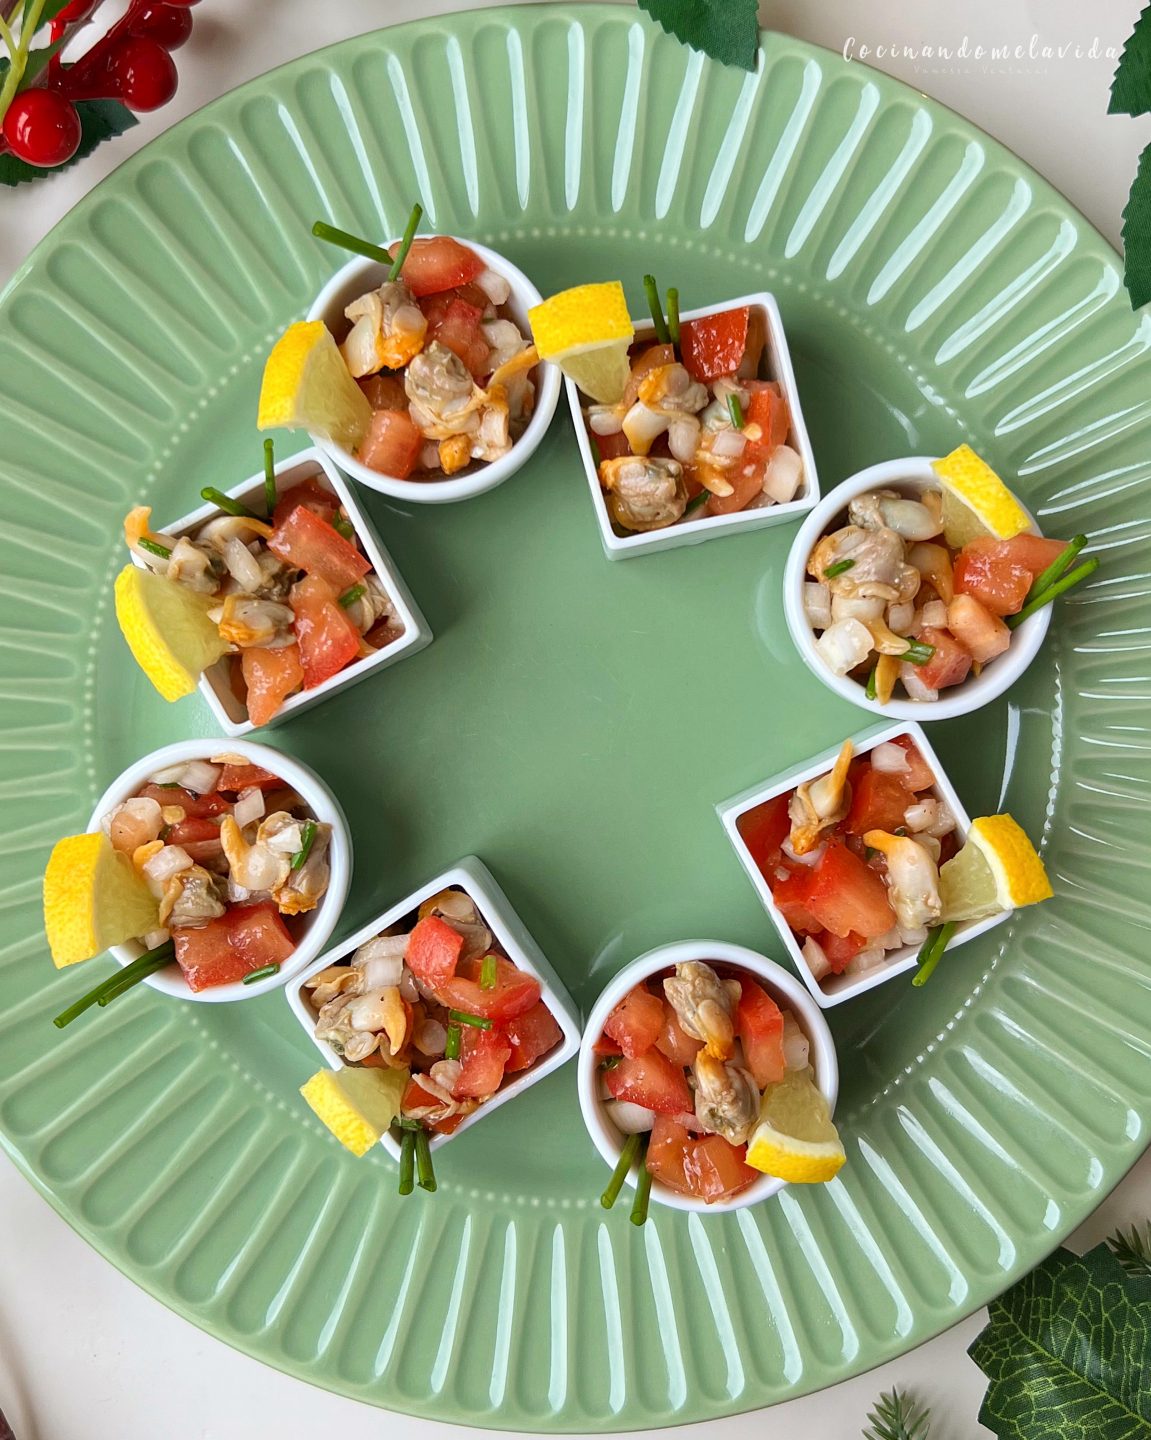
(84, 1354)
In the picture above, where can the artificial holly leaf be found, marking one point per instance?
(100, 120)
(49, 12)
(1068, 1353)
(1137, 235)
(1131, 87)
(727, 30)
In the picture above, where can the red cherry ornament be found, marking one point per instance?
(42, 128)
(169, 25)
(142, 72)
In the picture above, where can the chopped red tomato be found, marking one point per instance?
(636, 1022)
(650, 359)
(667, 1149)
(841, 949)
(790, 896)
(310, 493)
(514, 992)
(199, 838)
(604, 1046)
(392, 443)
(246, 938)
(484, 1055)
(531, 1035)
(433, 952)
(270, 676)
(437, 262)
(417, 1098)
(651, 1080)
(193, 805)
(973, 625)
(611, 447)
(746, 482)
(384, 392)
(998, 573)
(1034, 552)
(950, 663)
(311, 544)
(759, 1024)
(674, 1041)
(714, 1169)
(713, 345)
(878, 801)
(767, 408)
(234, 778)
(763, 830)
(918, 775)
(326, 637)
(458, 325)
(842, 894)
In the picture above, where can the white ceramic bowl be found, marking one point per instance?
(693, 532)
(911, 476)
(315, 928)
(359, 276)
(215, 686)
(779, 983)
(477, 881)
(839, 988)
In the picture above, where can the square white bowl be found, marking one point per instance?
(693, 532)
(843, 987)
(312, 464)
(476, 880)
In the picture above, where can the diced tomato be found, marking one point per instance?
(310, 493)
(246, 938)
(667, 1150)
(983, 634)
(611, 447)
(651, 1080)
(259, 934)
(433, 952)
(606, 1046)
(194, 806)
(950, 663)
(392, 443)
(417, 1098)
(759, 1025)
(918, 775)
(456, 324)
(270, 676)
(650, 359)
(200, 838)
(844, 894)
(790, 898)
(746, 482)
(384, 392)
(713, 345)
(715, 1169)
(636, 1022)
(767, 408)
(326, 637)
(878, 801)
(437, 262)
(841, 949)
(674, 1041)
(234, 778)
(1034, 552)
(531, 1035)
(998, 573)
(311, 544)
(515, 991)
(763, 830)
(484, 1055)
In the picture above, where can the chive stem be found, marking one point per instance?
(700, 500)
(407, 1161)
(870, 688)
(226, 503)
(261, 974)
(343, 526)
(323, 231)
(1052, 592)
(352, 594)
(1056, 568)
(735, 410)
(452, 1044)
(619, 1174)
(406, 243)
(307, 837)
(662, 334)
(477, 1022)
(932, 951)
(609, 1062)
(918, 652)
(673, 315)
(841, 567)
(424, 1161)
(116, 984)
(489, 972)
(153, 547)
(642, 1191)
(269, 476)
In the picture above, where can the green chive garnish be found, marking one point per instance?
(323, 231)
(642, 1191)
(1052, 592)
(452, 1045)
(226, 503)
(424, 1161)
(116, 984)
(619, 1174)
(154, 548)
(407, 1162)
(405, 1122)
(869, 689)
(477, 1022)
(307, 836)
(673, 315)
(352, 594)
(735, 410)
(932, 951)
(406, 243)
(698, 503)
(869, 852)
(1056, 568)
(841, 567)
(918, 652)
(261, 974)
(489, 972)
(662, 334)
(609, 1062)
(269, 476)
(343, 527)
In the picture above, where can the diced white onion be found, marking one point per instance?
(494, 286)
(892, 940)
(945, 824)
(914, 685)
(382, 945)
(922, 815)
(196, 775)
(242, 564)
(812, 857)
(683, 438)
(163, 865)
(729, 444)
(930, 844)
(408, 987)
(914, 935)
(817, 604)
(866, 960)
(784, 475)
(629, 1119)
(901, 616)
(430, 456)
(249, 807)
(604, 420)
(796, 1046)
(381, 972)
(817, 961)
(430, 1037)
(934, 613)
(155, 937)
(286, 841)
(890, 759)
(436, 1080)
(844, 645)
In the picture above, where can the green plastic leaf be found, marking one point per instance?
(100, 119)
(50, 11)
(727, 30)
(1137, 235)
(1131, 87)
(37, 61)
(1068, 1353)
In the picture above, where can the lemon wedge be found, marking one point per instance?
(975, 501)
(307, 386)
(357, 1104)
(587, 331)
(796, 1139)
(997, 869)
(93, 898)
(167, 629)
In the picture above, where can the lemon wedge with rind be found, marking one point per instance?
(975, 501)
(356, 1104)
(306, 386)
(997, 869)
(587, 332)
(167, 629)
(796, 1139)
(93, 898)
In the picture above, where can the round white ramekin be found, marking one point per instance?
(910, 476)
(779, 983)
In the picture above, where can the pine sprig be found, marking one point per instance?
(1133, 1249)
(897, 1417)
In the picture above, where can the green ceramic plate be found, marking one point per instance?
(575, 722)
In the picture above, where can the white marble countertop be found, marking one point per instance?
(84, 1354)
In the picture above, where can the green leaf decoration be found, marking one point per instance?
(100, 119)
(897, 1417)
(1131, 87)
(727, 30)
(1068, 1353)
(1137, 235)
(1133, 1250)
(50, 11)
